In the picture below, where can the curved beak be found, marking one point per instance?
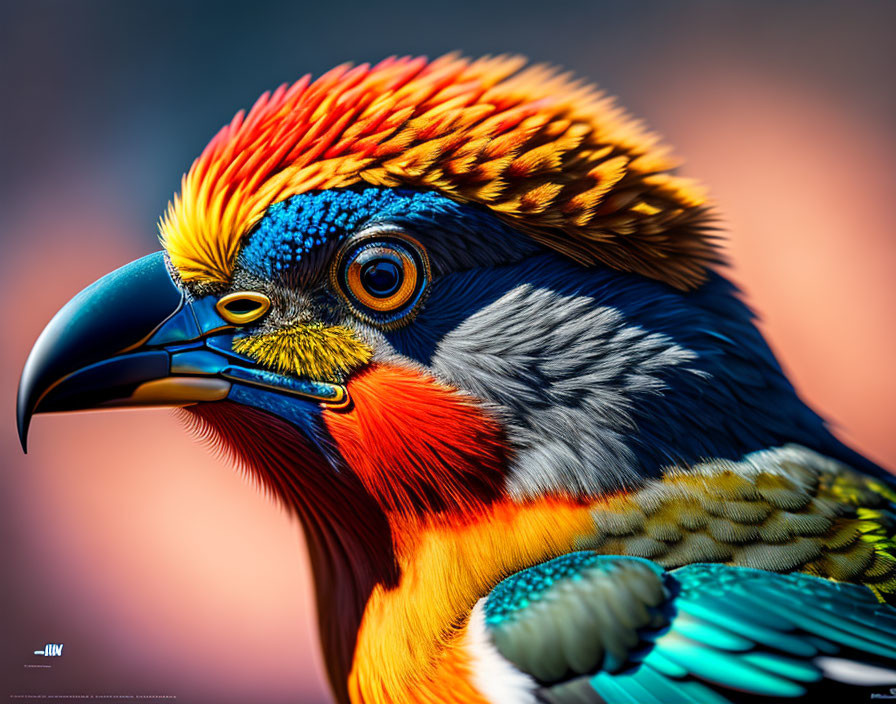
(134, 338)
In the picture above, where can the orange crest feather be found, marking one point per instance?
(548, 154)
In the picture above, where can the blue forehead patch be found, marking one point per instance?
(293, 228)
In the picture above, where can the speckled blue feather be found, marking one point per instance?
(295, 227)
(514, 594)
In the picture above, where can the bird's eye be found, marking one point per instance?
(382, 276)
(243, 306)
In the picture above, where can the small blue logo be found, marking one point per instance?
(51, 650)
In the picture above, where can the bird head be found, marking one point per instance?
(421, 287)
(448, 280)
(452, 280)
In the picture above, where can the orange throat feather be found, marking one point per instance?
(404, 543)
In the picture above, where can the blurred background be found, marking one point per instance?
(164, 572)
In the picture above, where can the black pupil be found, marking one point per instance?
(242, 305)
(381, 277)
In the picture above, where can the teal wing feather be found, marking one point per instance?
(619, 630)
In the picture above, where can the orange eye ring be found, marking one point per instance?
(383, 277)
(242, 307)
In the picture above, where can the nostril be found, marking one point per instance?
(243, 307)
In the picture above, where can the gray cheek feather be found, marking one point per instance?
(566, 373)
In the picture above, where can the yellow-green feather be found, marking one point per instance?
(782, 510)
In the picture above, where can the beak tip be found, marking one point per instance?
(23, 422)
(23, 434)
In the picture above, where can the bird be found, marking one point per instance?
(466, 321)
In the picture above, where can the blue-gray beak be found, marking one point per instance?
(135, 338)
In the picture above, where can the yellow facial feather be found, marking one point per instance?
(312, 350)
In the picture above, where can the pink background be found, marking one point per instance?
(164, 571)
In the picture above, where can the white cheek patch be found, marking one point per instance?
(492, 674)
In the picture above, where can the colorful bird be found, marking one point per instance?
(463, 319)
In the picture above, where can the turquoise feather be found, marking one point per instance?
(710, 634)
(722, 632)
(747, 625)
(724, 669)
(790, 668)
